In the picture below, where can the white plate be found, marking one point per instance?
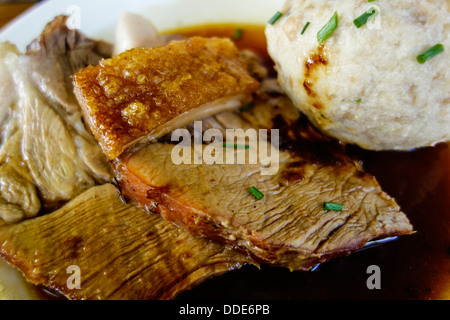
(97, 19)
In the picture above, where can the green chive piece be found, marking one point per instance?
(275, 17)
(237, 34)
(328, 29)
(358, 100)
(246, 107)
(371, 0)
(333, 206)
(362, 20)
(256, 193)
(236, 146)
(305, 27)
(430, 53)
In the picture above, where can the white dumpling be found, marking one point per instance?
(364, 85)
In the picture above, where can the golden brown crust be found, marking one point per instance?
(127, 97)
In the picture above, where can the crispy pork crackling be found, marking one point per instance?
(143, 94)
(364, 85)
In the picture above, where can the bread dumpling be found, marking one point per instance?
(364, 85)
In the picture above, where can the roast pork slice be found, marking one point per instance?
(143, 94)
(289, 226)
(47, 144)
(135, 31)
(18, 195)
(118, 251)
(52, 59)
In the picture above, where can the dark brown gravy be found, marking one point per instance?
(412, 267)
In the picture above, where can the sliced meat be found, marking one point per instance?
(18, 194)
(121, 251)
(143, 94)
(53, 58)
(47, 146)
(47, 155)
(13, 286)
(288, 227)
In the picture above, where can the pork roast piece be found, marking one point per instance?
(289, 226)
(121, 251)
(143, 94)
(57, 54)
(47, 155)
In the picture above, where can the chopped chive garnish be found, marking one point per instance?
(256, 193)
(305, 27)
(362, 20)
(246, 107)
(237, 146)
(275, 17)
(237, 34)
(371, 0)
(358, 100)
(328, 29)
(430, 53)
(333, 206)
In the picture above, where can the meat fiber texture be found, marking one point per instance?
(364, 85)
(51, 166)
(288, 227)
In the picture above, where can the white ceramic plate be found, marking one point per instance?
(98, 19)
